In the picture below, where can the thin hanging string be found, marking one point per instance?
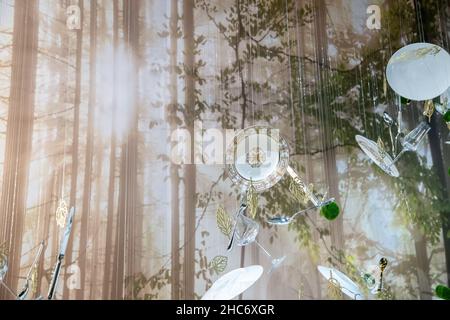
(371, 90)
(20, 131)
(261, 98)
(335, 93)
(301, 100)
(260, 95)
(317, 88)
(418, 7)
(130, 50)
(376, 99)
(64, 158)
(360, 116)
(312, 92)
(442, 26)
(291, 99)
(419, 19)
(363, 98)
(66, 94)
(251, 65)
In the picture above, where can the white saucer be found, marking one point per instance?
(233, 283)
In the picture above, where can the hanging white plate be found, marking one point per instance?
(348, 287)
(233, 283)
(419, 71)
(257, 156)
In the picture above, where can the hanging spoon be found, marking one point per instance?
(285, 220)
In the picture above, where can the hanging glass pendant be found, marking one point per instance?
(419, 71)
(330, 211)
(34, 280)
(252, 201)
(442, 292)
(61, 213)
(428, 109)
(334, 289)
(346, 285)
(3, 261)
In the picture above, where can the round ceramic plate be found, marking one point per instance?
(257, 156)
(348, 287)
(419, 71)
(371, 149)
(233, 283)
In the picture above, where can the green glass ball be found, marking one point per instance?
(405, 100)
(330, 211)
(443, 292)
(447, 116)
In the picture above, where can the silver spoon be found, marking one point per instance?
(285, 220)
(389, 121)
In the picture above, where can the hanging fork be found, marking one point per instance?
(241, 211)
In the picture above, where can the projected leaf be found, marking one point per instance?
(223, 221)
(61, 213)
(3, 260)
(218, 264)
(428, 109)
(381, 147)
(298, 193)
(3, 254)
(34, 280)
(252, 201)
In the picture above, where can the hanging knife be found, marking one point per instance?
(62, 252)
(23, 294)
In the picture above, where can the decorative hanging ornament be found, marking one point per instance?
(381, 147)
(428, 109)
(442, 292)
(341, 281)
(3, 261)
(224, 222)
(300, 194)
(334, 289)
(259, 156)
(419, 71)
(61, 213)
(252, 201)
(34, 279)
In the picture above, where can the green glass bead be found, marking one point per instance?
(443, 292)
(330, 211)
(447, 116)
